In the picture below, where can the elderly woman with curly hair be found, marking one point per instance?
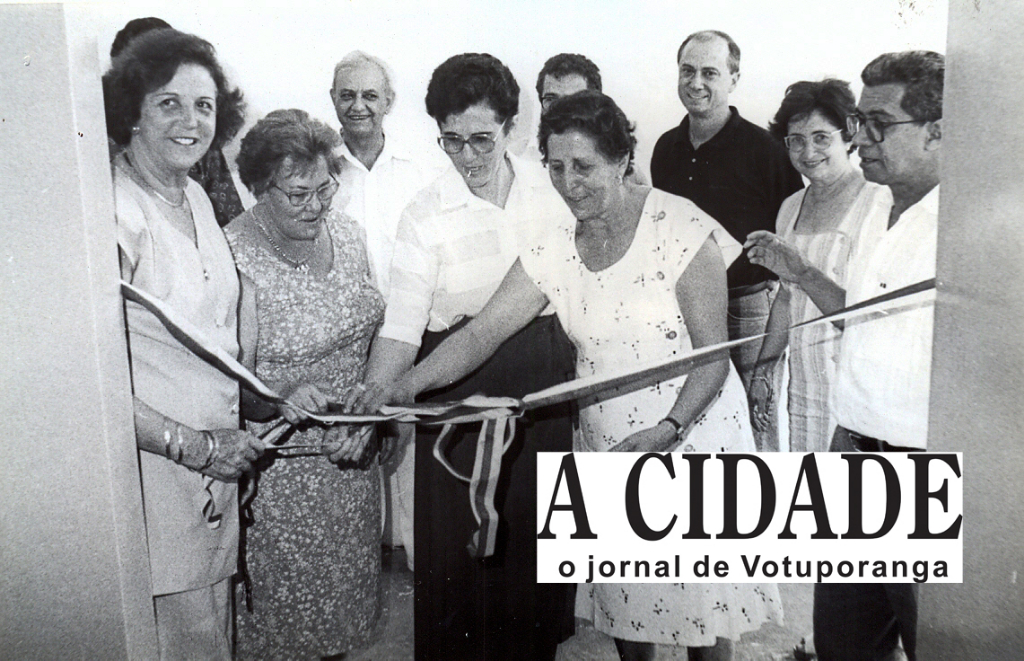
(167, 103)
(456, 240)
(313, 549)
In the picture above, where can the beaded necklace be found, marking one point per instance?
(302, 266)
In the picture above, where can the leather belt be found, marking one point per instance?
(747, 290)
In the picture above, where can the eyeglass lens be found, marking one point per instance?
(799, 142)
(873, 128)
(324, 194)
(453, 144)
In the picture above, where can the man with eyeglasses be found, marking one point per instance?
(880, 396)
(736, 172)
(377, 181)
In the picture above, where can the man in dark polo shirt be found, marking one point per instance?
(737, 173)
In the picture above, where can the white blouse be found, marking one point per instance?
(453, 248)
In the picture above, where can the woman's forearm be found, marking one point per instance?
(515, 304)
(777, 338)
(822, 290)
(700, 389)
(158, 434)
(457, 356)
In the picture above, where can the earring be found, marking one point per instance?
(619, 176)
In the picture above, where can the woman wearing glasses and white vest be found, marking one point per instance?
(456, 240)
(822, 222)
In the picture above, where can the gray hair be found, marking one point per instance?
(357, 58)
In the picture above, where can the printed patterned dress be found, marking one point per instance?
(313, 550)
(814, 350)
(621, 317)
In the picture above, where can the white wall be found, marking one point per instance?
(282, 54)
(74, 569)
(978, 365)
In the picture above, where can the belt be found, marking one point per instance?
(747, 290)
(870, 444)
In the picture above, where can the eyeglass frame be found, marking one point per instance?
(857, 120)
(324, 199)
(491, 140)
(828, 143)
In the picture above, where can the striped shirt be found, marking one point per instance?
(453, 249)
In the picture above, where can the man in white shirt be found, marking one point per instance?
(880, 398)
(377, 182)
(377, 178)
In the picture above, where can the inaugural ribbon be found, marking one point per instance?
(498, 413)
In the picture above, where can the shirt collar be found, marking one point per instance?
(722, 137)
(455, 193)
(930, 202)
(389, 152)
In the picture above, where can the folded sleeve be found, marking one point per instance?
(414, 272)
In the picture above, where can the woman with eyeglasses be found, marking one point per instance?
(822, 223)
(312, 550)
(456, 240)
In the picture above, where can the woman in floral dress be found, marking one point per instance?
(313, 548)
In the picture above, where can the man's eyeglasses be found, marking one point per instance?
(325, 193)
(874, 128)
(482, 143)
(819, 140)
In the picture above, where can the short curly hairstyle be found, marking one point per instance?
(594, 114)
(465, 80)
(831, 97)
(921, 73)
(285, 135)
(150, 61)
(568, 64)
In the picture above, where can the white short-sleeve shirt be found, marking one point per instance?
(884, 370)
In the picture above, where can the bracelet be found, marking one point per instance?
(180, 451)
(211, 448)
(167, 443)
(678, 426)
(767, 383)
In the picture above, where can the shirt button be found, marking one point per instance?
(688, 448)
(234, 409)
(691, 178)
(671, 335)
(694, 161)
(661, 276)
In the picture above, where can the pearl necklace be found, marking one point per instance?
(302, 266)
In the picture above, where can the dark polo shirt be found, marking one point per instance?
(739, 177)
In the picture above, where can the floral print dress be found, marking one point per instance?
(621, 317)
(313, 550)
